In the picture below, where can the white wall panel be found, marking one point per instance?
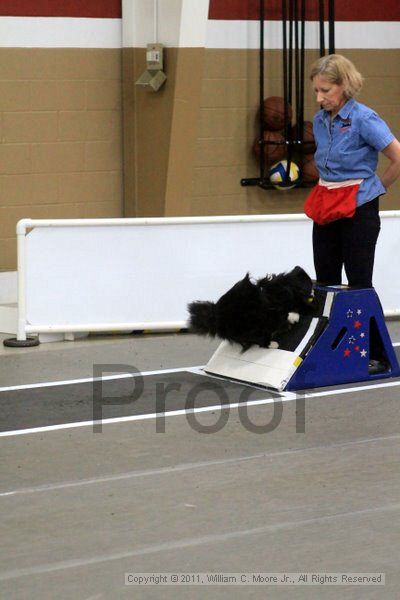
(246, 34)
(144, 273)
(59, 32)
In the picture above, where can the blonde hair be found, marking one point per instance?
(338, 69)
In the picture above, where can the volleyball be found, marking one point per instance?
(280, 178)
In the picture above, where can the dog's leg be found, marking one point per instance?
(293, 317)
(245, 347)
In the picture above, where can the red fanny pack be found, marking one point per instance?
(324, 205)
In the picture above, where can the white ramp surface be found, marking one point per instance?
(267, 367)
(261, 366)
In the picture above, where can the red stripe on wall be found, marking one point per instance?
(100, 9)
(345, 10)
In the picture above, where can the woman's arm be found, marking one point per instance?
(392, 152)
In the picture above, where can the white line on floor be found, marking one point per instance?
(31, 386)
(283, 397)
(193, 542)
(50, 487)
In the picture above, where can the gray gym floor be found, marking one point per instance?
(203, 492)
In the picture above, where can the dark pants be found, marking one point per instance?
(349, 242)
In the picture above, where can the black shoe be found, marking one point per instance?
(377, 366)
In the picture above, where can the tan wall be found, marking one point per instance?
(227, 129)
(147, 125)
(61, 137)
(160, 133)
(186, 147)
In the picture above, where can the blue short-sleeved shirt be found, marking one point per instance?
(348, 147)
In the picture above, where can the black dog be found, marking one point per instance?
(255, 313)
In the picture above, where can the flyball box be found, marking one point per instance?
(333, 348)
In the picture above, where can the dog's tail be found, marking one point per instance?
(203, 318)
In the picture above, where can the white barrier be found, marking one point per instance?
(132, 274)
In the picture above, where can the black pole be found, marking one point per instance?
(290, 57)
(321, 27)
(297, 66)
(249, 181)
(285, 64)
(302, 60)
(261, 61)
(331, 16)
(293, 44)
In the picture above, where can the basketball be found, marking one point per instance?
(274, 113)
(273, 151)
(309, 146)
(309, 170)
(282, 180)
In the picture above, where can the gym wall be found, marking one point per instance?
(187, 147)
(79, 139)
(161, 128)
(367, 33)
(60, 113)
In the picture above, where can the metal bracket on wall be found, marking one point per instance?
(154, 77)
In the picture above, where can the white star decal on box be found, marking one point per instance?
(359, 311)
(349, 314)
(352, 339)
(363, 353)
(362, 335)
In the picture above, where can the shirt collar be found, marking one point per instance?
(343, 113)
(346, 109)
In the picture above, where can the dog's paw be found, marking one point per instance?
(293, 317)
(274, 345)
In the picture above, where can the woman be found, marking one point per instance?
(345, 203)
